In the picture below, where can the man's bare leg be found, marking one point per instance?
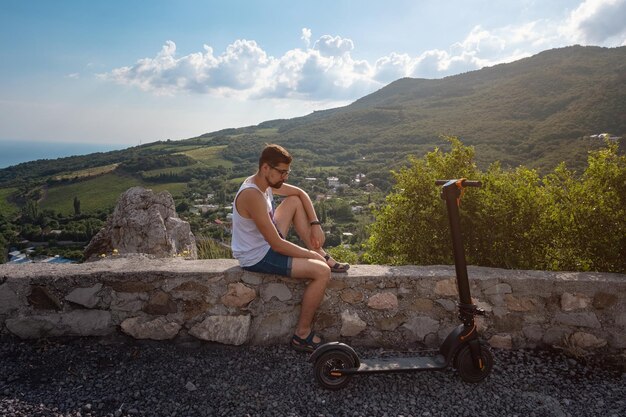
(319, 274)
(291, 211)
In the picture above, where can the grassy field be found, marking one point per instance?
(205, 156)
(175, 188)
(170, 170)
(89, 172)
(267, 132)
(170, 147)
(238, 180)
(99, 192)
(209, 156)
(6, 207)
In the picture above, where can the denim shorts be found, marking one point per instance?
(273, 263)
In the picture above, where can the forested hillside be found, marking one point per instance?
(536, 112)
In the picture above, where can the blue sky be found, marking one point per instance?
(124, 72)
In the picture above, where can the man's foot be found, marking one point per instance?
(336, 266)
(308, 344)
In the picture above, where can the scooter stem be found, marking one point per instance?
(451, 192)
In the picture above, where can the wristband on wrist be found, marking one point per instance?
(316, 222)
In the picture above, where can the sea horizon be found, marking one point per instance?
(14, 152)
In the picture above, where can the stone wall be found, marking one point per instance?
(215, 300)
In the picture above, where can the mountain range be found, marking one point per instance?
(537, 111)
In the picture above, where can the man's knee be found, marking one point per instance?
(292, 200)
(319, 271)
(323, 272)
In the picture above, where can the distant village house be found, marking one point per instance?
(333, 182)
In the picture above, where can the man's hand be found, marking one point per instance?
(317, 236)
(315, 255)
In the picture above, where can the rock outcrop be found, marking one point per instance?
(144, 222)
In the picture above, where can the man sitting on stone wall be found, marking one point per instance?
(259, 231)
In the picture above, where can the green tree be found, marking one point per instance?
(183, 206)
(321, 211)
(516, 220)
(341, 254)
(588, 215)
(411, 227)
(31, 213)
(76, 205)
(339, 210)
(503, 220)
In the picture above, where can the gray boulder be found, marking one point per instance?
(229, 330)
(144, 222)
(73, 323)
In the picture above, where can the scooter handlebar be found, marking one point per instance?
(465, 183)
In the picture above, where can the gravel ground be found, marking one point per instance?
(123, 377)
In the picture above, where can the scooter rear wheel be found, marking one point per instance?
(329, 361)
(468, 370)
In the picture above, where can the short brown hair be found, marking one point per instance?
(273, 155)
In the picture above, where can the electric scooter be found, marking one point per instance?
(336, 363)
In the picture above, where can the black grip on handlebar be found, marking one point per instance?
(466, 183)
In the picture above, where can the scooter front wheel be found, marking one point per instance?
(332, 361)
(467, 368)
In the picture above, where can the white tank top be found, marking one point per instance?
(248, 244)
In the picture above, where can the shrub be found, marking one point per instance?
(342, 254)
(211, 249)
(516, 220)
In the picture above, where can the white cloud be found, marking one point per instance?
(333, 46)
(392, 67)
(598, 21)
(430, 63)
(327, 70)
(306, 36)
(483, 41)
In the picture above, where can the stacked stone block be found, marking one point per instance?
(402, 307)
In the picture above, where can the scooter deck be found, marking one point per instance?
(420, 363)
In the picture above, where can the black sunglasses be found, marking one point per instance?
(283, 172)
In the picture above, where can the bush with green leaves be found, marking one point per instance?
(588, 214)
(209, 248)
(343, 254)
(518, 219)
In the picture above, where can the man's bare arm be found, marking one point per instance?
(289, 190)
(317, 234)
(251, 204)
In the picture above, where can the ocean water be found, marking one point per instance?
(13, 152)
